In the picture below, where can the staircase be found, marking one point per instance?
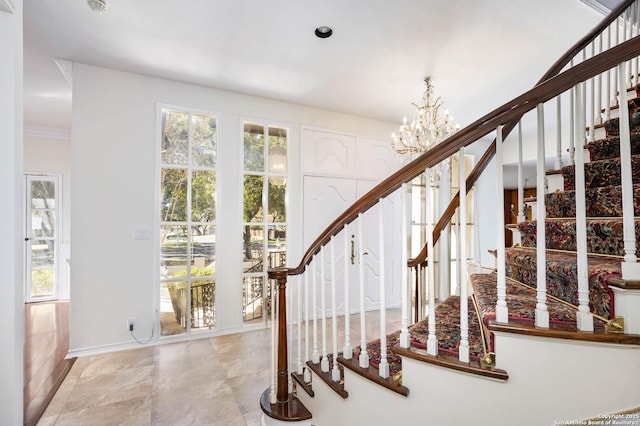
(550, 337)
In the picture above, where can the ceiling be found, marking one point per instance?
(479, 53)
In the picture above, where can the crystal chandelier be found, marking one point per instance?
(427, 128)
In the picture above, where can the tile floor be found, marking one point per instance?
(212, 381)
(200, 382)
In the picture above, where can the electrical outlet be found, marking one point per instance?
(130, 324)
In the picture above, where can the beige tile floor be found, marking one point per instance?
(211, 381)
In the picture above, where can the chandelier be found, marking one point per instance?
(427, 128)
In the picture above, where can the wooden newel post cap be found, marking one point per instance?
(278, 273)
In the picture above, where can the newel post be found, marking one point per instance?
(280, 275)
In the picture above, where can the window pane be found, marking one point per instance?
(253, 187)
(253, 248)
(43, 271)
(203, 302)
(173, 251)
(203, 196)
(252, 298)
(277, 246)
(203, 252)
(175, 138)
(204, 141)
(173, 308)
(43, 223)
(173, 185)
(43, 194)
(277, 150)
(253, 147)
(277, 207)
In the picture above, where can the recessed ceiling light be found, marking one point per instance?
(324, 32)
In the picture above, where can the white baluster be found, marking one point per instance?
(274, 346)
(432, 341)
(627, 36)
(476, 239)
(459, 258)
(347, 352)
(521, 207)
(584, 319)
(502, 311)
(335, 371)
(637, 60)
(463, 352)
(289, 307)
(572, 119)
(599, 84)
(607, 85)
(615, 75)
(299, 311)
(363, 359)
(324, 363)
(558, 164)
(633, 22)
(383, 368)
(315, 355)
(630, 266)
(542, 314)
(404, 270)
(592, 104)
(307, 372)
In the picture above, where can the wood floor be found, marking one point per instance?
(46, 344)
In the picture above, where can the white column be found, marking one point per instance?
(462, 249)
(363, 359)
(335, 371)
(404, 270)
(324, 363)
(584, 319)
(542, 314)
(630, 266)
(432, 341)
(383, 369)
(347, 352)
(315, 355)
(307, 373)
(502, 311)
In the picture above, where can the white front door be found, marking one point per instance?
(41, 237)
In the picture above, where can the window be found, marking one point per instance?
(187, 222)
(264, 230)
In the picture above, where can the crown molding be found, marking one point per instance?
(7, 6)
(42, 132)
(598, 6)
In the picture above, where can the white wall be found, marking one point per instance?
(52, 155)
(11, 224)
(114, 191)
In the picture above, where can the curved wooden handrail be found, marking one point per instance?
(488, 155)
(508, 112)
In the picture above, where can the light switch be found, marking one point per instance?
(142, 234)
